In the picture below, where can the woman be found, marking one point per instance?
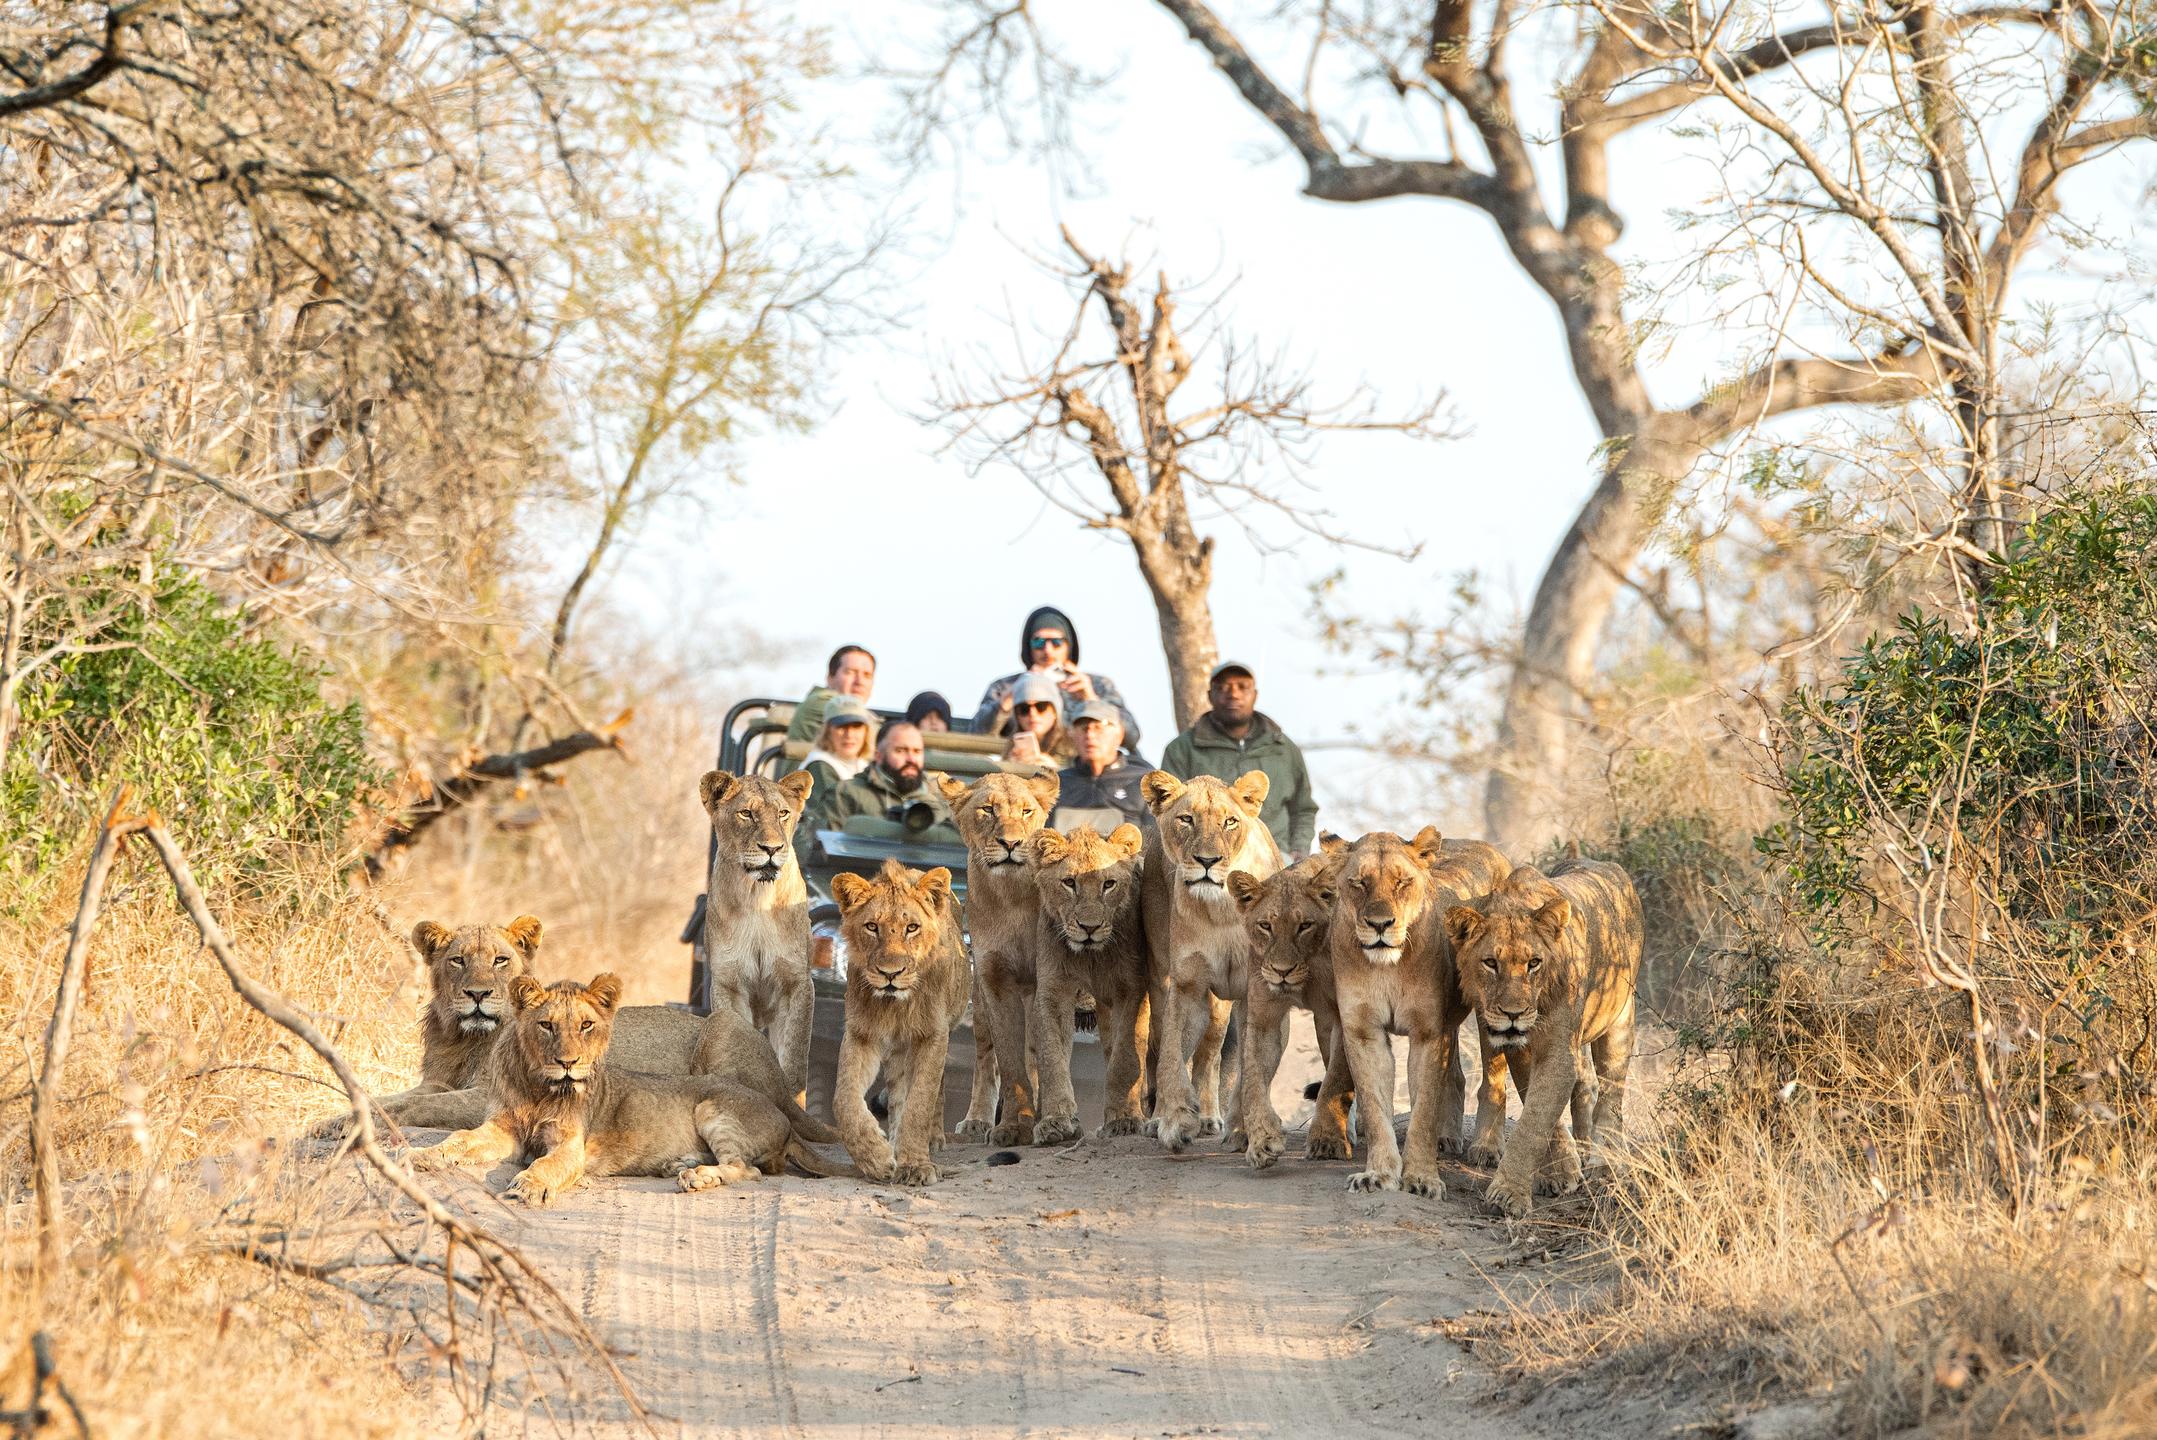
(1036, 728)
(843, 747)
(1049, 648)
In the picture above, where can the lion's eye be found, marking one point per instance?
(500, 961)
(547, 1025)
(745, 815)
(1490, 963)
(1535, 962)
(913, 928)
(1071, 885)
(1027, 813)
(1107, 885)
(585, 1028)
(1306, 927)
(785, 815)
(1264, 928)
(1184, 821)
(456, 962)
(1230, 823)
(986, 813)
(872, 928)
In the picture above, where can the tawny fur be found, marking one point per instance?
(756, 919)
(1204, 832)
(1289, 921)
(1549, 963)
(906, 986)
(996, 816)
(559, 1104)
(1091, 938)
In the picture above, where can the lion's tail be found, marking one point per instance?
(810, 1163)
(807, 1126)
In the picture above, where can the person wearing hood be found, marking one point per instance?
(1233, 738)
(1049, 647)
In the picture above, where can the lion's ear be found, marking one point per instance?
(605, 991)
(849, 890)
(1046, 846)
(937, 883)
(1429, 846)
(1553, 917)
(1463, 924)
(523, 932)
(715, 787)
(1331, 844)
(954, 791)
(525, 992)
(1127, 838)
(1250, 789)
(798, 785)
(1160, 789)
(430, 937)
(1046, 788)
(1247, 889)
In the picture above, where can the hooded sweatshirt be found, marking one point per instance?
(985, 718)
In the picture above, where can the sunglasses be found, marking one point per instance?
(1039, 705)
(1042, 642)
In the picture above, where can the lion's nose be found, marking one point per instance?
(1205, 862)
(477, 994)
(1381, 925)
(1090, 930)
(769, 849)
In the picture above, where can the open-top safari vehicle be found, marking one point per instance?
(752, 741)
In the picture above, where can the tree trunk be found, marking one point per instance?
(1181, 586)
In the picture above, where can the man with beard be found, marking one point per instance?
(888, 791)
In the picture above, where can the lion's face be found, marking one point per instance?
(754, 818)
(1511, 957)
(893, 926)
(1204, 826)
(469, 969)
(998, 814)
(1385, 886)
(1288, 917)
(561, 1030)
(1087, 881)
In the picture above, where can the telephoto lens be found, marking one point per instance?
(917, 816)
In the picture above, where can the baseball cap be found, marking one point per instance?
(1099, 710)
(1231, 667)
(1035, 689)
(846, 710)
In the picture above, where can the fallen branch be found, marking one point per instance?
(461, 788)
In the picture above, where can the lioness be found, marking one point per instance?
(1091, 938)
(1204, 832)
(997, 815)
(558, 1101)
(756, 921)
(1289, 919)
(1393, 975)
(906, 985)
(1549, 964)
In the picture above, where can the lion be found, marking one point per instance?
(558, 1102)
(756, 920)
(906, 987)
(470, 970)
(1091, 939)
(1549, 963)
(1205, 831)
(996, 816)
(1393, 975)
(1289, 919)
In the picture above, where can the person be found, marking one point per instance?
(1233, 738)
(851, 671)
(1049, 646)
(1035, 725)
(842, 748)
(889, 790)
(931, 711)
(1100, 785)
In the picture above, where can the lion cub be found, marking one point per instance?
(1091, 938)
(1289, 918)
(906, 984)
(756, 919)
(1549, 963)
(558, 1101)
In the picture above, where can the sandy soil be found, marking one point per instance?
(1105, 1289)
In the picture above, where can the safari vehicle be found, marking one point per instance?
(753, 741)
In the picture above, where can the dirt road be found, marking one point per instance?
(1108, 1289)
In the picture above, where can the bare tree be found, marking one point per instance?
(1913, 93)
(1106, 413)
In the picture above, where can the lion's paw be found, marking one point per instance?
(1512, 1200)
(443, 1156)
(528, 1189)
(1210, 1126)
(1150, 1127)
(914, 1172)
(1121, 1125)
(875, 1166)
(1374, 1180)
(973, 1132)
(1426, 1184)
(1264, 1150)
(1013, 1132)
(1326, 1145)
(711, 1177)
(1484, 1153)
(1179, 1129)
(1057, 1130)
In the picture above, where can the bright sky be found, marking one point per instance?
(862, 531)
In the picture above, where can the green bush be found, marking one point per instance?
(226, 734)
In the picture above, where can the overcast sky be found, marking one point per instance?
(1409, 297)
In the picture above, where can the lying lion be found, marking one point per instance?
(470, 971)
(557, 1100)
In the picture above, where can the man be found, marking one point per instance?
(888, 791)
(1233, 738)
(1049, 647)
(1100, 786)
(852, 671)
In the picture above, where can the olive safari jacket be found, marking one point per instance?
(1289, 812)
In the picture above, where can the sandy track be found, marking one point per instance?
(1110, 1289)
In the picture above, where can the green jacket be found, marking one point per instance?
(1289, 812)
(872, 793)
(809, 714)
